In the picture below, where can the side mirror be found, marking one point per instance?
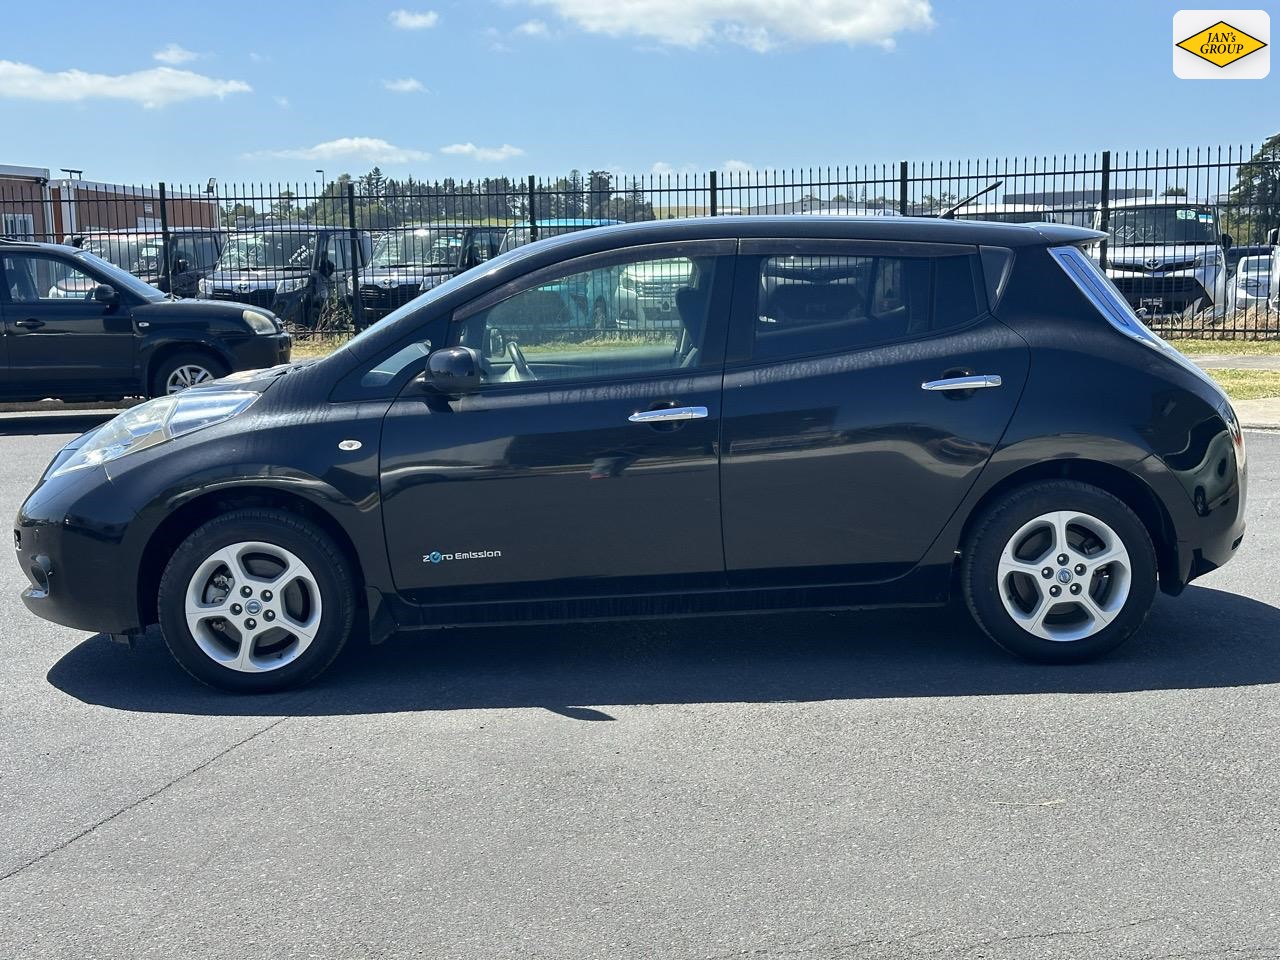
(1226, 241)
(453, 371)
(106, 294)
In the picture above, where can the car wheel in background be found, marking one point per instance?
(1059, 571)
(256, 600)
(182, 370)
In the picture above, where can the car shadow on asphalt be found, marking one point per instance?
(1205, 638)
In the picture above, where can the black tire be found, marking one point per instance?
(998, 524)
(329, 567)
(186, 358)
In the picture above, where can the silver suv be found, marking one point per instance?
(1167, 255)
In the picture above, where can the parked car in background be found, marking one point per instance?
(647, 292)
(1167, 255)
(1251, 285)
(295, 270)
(1006, 213)
(521, 233)
(413, 259)
(884, 425)
(120, 337)
(1237, 253)
(176, 266)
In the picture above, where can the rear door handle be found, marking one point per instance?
(976, 382)
(29, 324)
(668, 413)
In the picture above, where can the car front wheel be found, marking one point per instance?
(184, 370)
(256, 600)
(1059, 571)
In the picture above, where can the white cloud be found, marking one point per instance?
(737, 166)
(281, 102)
(404, 85)
(362, 149)
(757, 24)
(413, 19)
(532, 28)
(504, 152)
(664, 169)
(174, 54)
(151, 88)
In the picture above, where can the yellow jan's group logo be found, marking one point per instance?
(1221, 44)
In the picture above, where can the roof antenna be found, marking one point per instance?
(950, 212)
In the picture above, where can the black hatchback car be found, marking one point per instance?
(79, 328)
(852, 412)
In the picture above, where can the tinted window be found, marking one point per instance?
(822, 304)
(625, 318)
(825, 304)
(955, 300)
(31, 278)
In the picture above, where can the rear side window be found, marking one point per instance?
(826, 304)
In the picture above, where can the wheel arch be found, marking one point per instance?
(179, 524)
(1120, 483)
(163, 352)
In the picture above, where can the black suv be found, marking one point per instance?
(295, 270)
(79, 328)
(851, 411)
(413, 259)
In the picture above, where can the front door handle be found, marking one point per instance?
(666, 414)
(29, 324)
(976, 382)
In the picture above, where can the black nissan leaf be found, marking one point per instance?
(850, 412)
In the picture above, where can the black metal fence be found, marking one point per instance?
(1190, 232)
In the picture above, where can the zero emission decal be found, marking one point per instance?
(435, 556)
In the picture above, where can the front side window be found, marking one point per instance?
(36, 278)
(633, 317)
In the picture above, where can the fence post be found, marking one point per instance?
(533, 216)
(1104, 222)
(902, 188)
(714, 207)
(164, 242)
(357, 306)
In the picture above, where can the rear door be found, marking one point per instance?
(60, 339)
(586, 465)
(841, 458)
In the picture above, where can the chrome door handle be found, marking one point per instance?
(29, 324)
(964, 383)
(668, 413)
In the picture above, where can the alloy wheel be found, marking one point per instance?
(1064, 576)
(253, 607)
(187, 375)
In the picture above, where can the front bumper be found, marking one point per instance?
(259, 352)
(67, 540)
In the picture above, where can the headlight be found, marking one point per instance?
(259, 323)
(156, 421)
(1237, 434)
(289, 285)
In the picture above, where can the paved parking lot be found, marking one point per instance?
(854, 785)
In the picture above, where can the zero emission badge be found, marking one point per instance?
(1221, 44)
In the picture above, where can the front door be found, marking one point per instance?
(587, 463)
(61, 339)
(846, 445)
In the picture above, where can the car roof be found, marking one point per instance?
(908, 229)
(1159, 202)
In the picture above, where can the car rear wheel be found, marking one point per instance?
(183, 370)
(256, 600)
(1059, 571)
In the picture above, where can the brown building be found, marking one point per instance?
(34, 206)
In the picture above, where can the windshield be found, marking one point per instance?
(124, 252)
(268, 250)
(1167, 223)
(421, 248)
(119, 279)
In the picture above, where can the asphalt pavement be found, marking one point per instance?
(803, 786)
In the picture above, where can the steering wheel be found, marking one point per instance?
(521, 365)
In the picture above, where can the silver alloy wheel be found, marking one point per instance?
(187, 375)
(1064, 576)
(253, 607)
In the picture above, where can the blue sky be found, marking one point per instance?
(273, 90)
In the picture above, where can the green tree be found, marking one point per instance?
(1255, 198)
(1174, 192)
